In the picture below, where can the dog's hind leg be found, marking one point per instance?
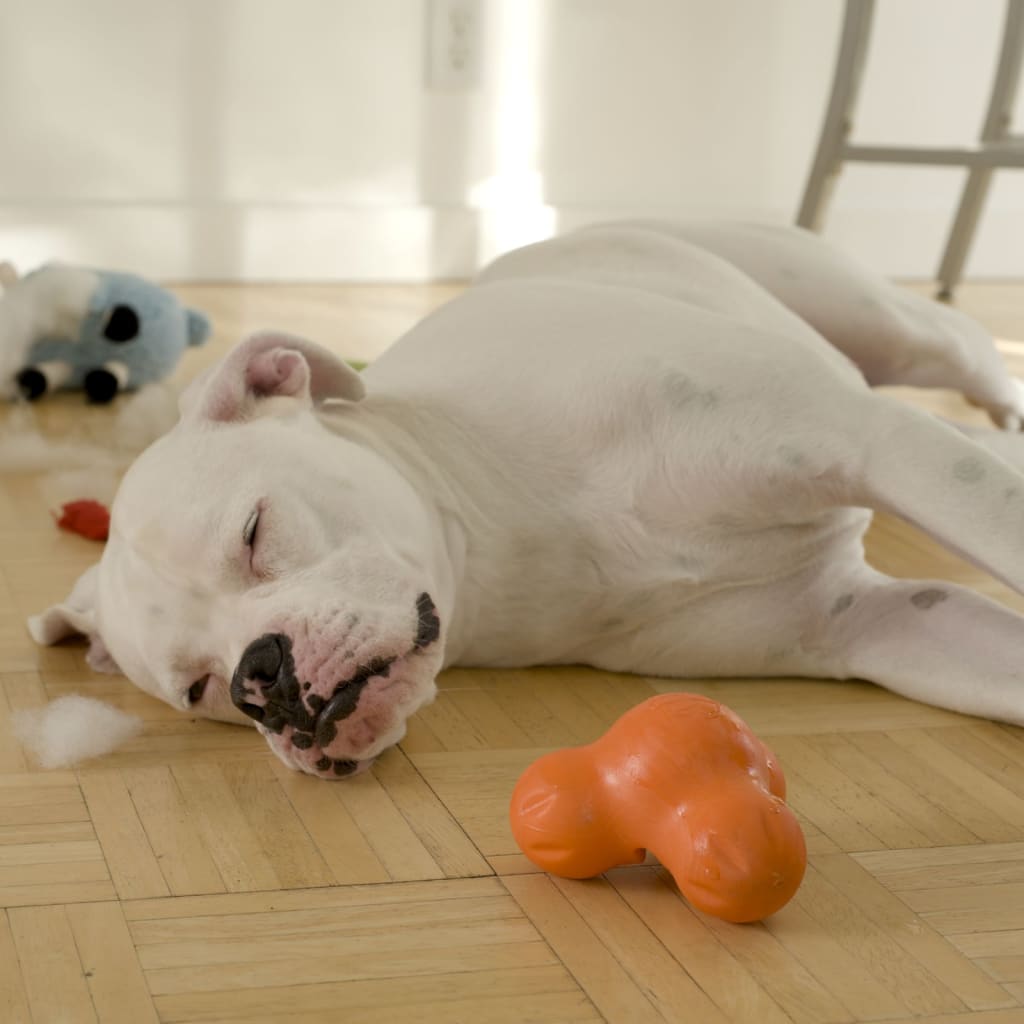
(927, 640)
(893, 336)
(1007, 445)
(928, 473)
(931, 641)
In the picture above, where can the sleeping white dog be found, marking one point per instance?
(641, 447)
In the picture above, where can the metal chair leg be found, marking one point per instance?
(853, 45)
(995, 129)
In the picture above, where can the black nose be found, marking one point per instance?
(262, 659)
(268, 663)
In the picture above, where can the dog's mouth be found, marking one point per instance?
(303, 725)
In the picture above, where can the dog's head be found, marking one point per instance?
(263, 564)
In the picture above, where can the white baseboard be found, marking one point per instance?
(289, 242)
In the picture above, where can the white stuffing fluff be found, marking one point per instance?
(25, 449)
(110, 442)
(73, 729)
(98, 483)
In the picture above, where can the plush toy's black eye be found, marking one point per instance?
(122, 324)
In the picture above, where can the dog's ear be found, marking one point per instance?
(270, 366)
(76, 616)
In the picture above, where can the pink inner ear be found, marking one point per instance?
(281, 371)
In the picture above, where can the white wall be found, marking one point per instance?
(297, 138)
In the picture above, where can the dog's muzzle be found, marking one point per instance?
(266, 688)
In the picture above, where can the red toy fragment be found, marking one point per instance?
(86, 517)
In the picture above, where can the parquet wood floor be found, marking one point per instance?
(190, 877)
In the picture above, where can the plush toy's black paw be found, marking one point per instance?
(31, 383)
(100, 386)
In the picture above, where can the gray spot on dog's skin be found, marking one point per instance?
(842, 604)
(1010, 493)
(613, 622)
(789, 273)
(968, 470)
(925, 599)
(790, 456)
(681, 391)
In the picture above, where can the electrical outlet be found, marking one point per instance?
(454, 43)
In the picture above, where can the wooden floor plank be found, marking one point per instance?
(386, 998)
(558, 1008)
(339, 839)
(287, 845)
(782, 974)
(173, 836)
(614, 992)
(733, 989)
(442, 837)
(13, 997)
(306, 899)
(920, 939)
(646, 960)
(230, 839)
(110, 964)
(427, 961)
(392, 839)
(133, 865)
(50, 966)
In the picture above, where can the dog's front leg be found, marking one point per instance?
(931, 641)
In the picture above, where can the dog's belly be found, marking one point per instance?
(745, 624)
(711, 603)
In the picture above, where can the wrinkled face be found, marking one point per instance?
(263, 567)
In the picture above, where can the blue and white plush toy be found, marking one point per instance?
(70, 328)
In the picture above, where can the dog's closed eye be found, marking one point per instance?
(249, 533)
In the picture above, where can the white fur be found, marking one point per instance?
(645, 448)
(72, 729)
(109, 445)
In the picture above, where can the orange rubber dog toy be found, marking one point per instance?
(682, 776)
